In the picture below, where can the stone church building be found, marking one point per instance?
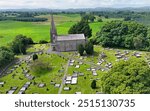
(65, 43)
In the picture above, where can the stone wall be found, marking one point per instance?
(65, 46)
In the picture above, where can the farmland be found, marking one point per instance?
(40, 30)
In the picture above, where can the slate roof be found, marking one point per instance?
(71, 37)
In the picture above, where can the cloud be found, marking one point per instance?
(63, 4)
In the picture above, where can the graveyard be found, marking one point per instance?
(19, 78)
(89, 68)
(70, 72)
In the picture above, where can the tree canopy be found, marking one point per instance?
(81, 27)
(130, 77)
(89, 48)
(6, 56)
(29, 19)
(20, 43)
(81, 49)
(125, 34)
(35, 57)
(88, 17)
(93, 84)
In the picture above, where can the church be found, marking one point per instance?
(65, 43)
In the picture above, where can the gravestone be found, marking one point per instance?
(77, 92)
(66, 88)
(52, 83)
(57, 85)
(77, 66)
(41, 85)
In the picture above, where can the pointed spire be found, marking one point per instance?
(53, 30)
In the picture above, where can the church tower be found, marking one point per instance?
(53, 31)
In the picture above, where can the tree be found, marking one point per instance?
(99, 20)
(92, 18)
(81, 49)
(81, 27)
(35, 57)
(6, 56)
(127, 18)
(85, 17)
(123, 34)
(20, 43)
(93, 84)
(138, 42)
(43, 42)
(29, 41)
(89, 48)
(130, 77)
(106, 16)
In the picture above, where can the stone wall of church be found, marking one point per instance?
(65, 46)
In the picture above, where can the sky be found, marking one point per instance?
(65, 4)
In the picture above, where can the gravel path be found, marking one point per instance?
(63, 79)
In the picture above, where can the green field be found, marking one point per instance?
(40, 30)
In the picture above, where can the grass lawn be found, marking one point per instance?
(38, 47)
(9, 29)
(46, 78)
(58, 63)
(84, 82)
(19, 80)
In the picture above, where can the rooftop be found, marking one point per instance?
(71, 37)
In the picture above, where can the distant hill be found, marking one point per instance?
(139, 9)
